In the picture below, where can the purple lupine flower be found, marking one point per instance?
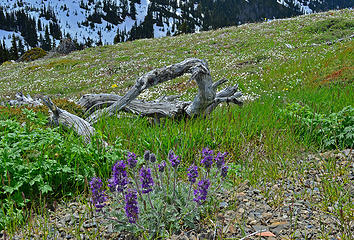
(173, 159)
(152, 158)
(207, 158)
(224, 171)
(192, 174)
(202, 191)
(98, 196)
(146, 180)
(162, 166)
(131, 206)
(119, 179)
(132, 161)
(220, 159)
(147, 155)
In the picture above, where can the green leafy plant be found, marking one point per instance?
(37, 160)
(329, 131)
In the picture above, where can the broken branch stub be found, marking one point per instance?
(70, 121)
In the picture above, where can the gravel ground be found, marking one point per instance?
(289, 208)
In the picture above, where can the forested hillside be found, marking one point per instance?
(25, 24)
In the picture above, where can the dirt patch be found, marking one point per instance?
(339, 76)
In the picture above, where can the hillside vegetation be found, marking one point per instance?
(284, 144)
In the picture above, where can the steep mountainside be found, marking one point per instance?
(44, 22)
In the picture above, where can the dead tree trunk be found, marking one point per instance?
(206, 97)
(102, 105)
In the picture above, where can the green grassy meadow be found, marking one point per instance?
(279, 63)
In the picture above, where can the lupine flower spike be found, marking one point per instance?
(98, 196)
(202, 191)
(119, 179)
(132, 161)
(207, 158)
(162, 167)
(131, 206)
(152, 158)
(192, 176)
(146, 182)
(153, 161)
(174, 162)
(147, 156)
(220, 159)
(173, 159)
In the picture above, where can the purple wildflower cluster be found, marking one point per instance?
(202, 191)
(152, 158)
(98, 196)
(119, 179)
(131, 206)
(192, 174)
(146, 180)
(207, 158)
(173, 159)
(162, 166)
(220, 159)
(132, 161)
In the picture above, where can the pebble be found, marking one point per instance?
(241, 210)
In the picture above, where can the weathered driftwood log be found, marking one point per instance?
(101, 105)
(206, 97)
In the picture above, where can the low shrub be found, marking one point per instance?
(33, 54)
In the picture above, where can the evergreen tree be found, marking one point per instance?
(124, 8)
(99, 43)
(54, 30)
(4, 53)
(21, 48)
(117, 37)
(132, 10)
(47, 42)
(39, 25)
(13, 49)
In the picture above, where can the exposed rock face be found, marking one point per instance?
(66, 46)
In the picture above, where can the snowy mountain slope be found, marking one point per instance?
(70, 16)
(99, 21)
